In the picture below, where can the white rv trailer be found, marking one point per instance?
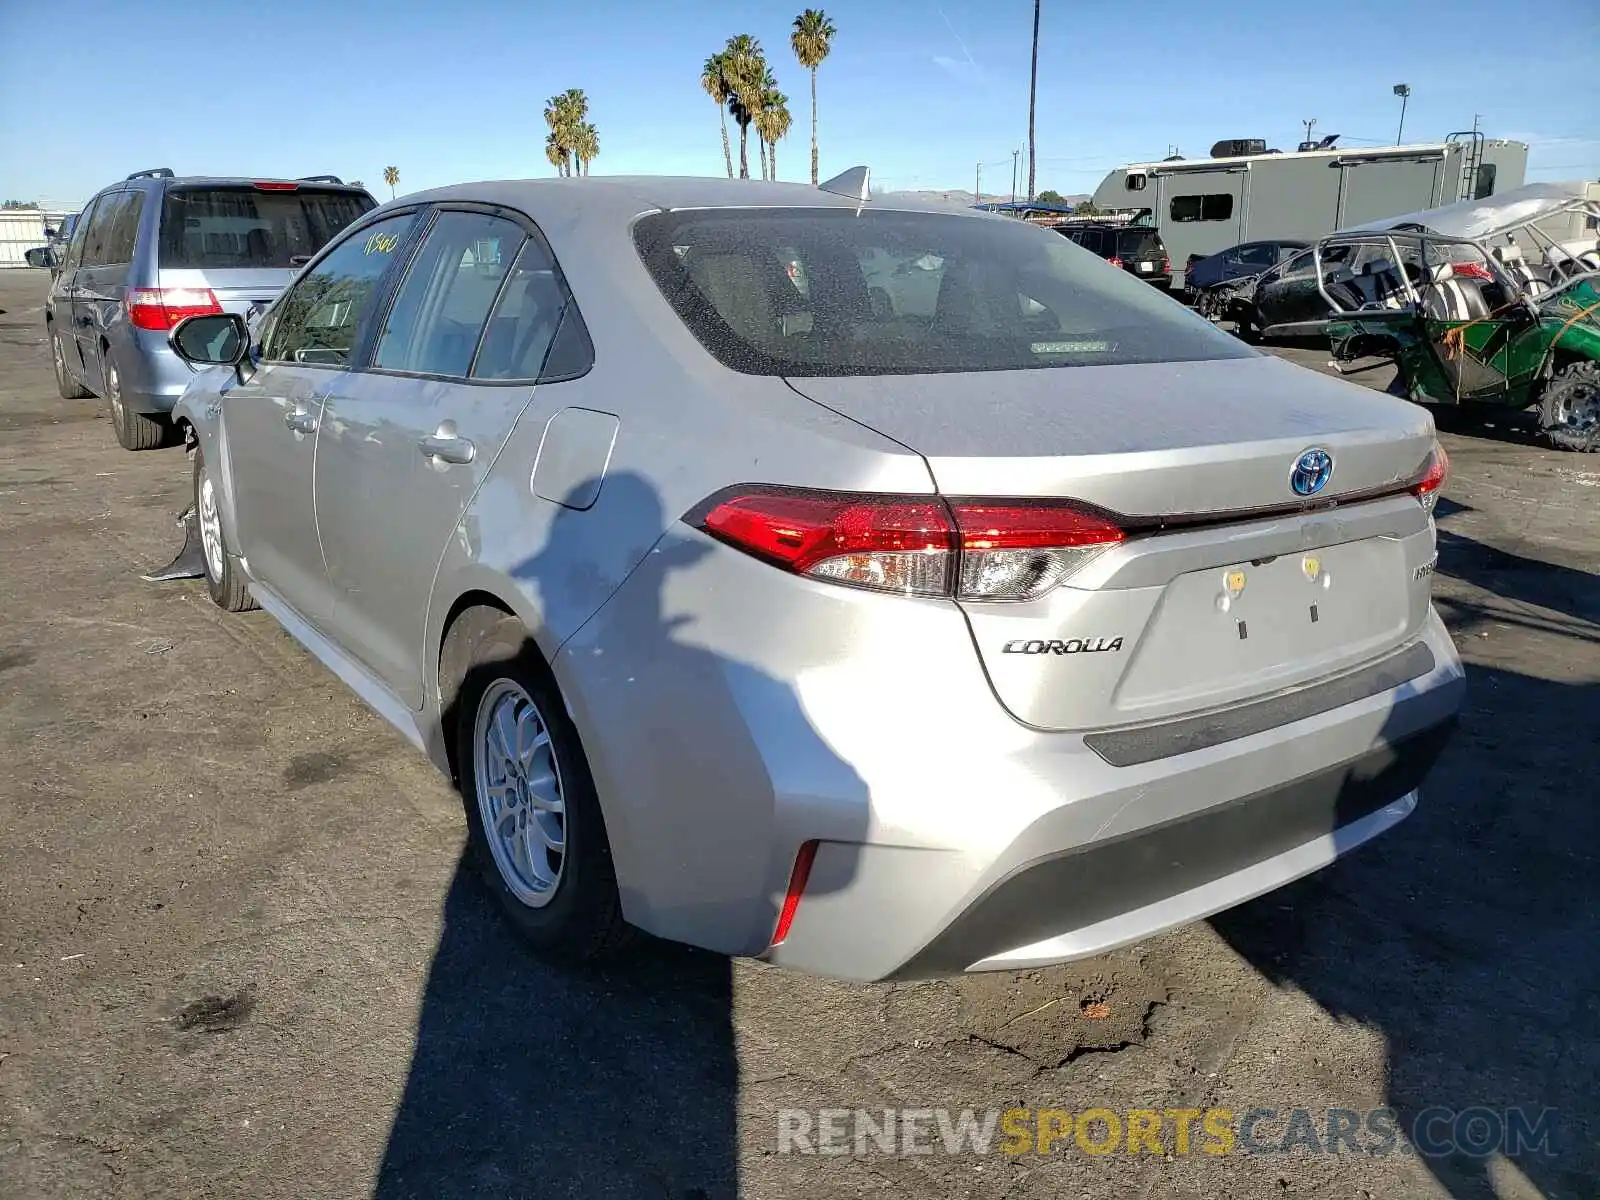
(1202, 205)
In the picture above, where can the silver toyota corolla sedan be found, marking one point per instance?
(880, 590)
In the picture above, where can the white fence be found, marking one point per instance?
(21, 230)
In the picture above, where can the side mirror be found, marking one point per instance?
(39, 257)
(212, 340)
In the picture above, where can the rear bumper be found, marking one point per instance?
(1088, 900)
(1125, 852)
(153, 377)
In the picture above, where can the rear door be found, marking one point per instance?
(244, 242)
(310, 340)
(406, 442)
(90, 303)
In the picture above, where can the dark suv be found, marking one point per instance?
(1135, 249)
(155, 248)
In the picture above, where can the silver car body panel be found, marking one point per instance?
(732, 712)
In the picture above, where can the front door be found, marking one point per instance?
(272, 421)
(406, 443)
(64, 297)
(92, 301)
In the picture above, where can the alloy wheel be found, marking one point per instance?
(521, 803)
(210, 527)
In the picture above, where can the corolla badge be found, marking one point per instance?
(1311, 472)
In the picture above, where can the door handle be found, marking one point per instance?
(448, 447)
(300, 421)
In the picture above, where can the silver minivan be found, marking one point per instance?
(153, 249)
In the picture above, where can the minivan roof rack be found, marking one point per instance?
(321, 179)
(154, 173)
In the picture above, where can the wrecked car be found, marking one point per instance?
(1467, 331)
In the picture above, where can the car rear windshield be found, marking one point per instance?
(1140, 243)
(223, 227)
(809, 292)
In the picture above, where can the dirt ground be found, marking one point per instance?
(240, 957)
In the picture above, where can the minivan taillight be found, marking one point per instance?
(968, 549)
(163, 308)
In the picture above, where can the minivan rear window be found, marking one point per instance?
(901, 293)
(244, 227)
(1139, 243)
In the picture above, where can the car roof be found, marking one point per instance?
(623, 197)
(161, 181)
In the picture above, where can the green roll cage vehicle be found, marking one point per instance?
(1470, 328)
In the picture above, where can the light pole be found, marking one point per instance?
(1014, 156)
(1403, 90)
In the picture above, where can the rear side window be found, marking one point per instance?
(1261, 256)
(440, 310)
(521, 340)
(899, 293)
(244, 227)
(123, 231)
(1214, 207)
(97, 245)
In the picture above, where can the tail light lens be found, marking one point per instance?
(1115, 262)
(276, 185)
(1166, 266)
(913, 545)
(163, 308)
(1435, 474)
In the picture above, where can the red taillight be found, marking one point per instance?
(1166, 266)
(1115, 262)
(913, 545)
(163, 308)
(1434, 476)
(797, 886)
(273, 185)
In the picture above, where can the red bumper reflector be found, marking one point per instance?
(797, 886)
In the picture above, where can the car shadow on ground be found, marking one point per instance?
(1472, 923)
(618, 1079)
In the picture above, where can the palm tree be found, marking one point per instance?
(585, 145)
(391, 176)
(1033, 95)
(556, 155)
(565, 114)
(745, 68)
(772, 123)
(715, 82)
(812, 39)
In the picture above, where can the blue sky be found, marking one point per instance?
(921, 91)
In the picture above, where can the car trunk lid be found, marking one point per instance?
(1228, 585)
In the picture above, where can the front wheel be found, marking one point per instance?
(533, 817)
(1569, 410)
(224, 580)
(69, 387)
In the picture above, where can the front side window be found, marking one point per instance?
(243, 226)
(80, 237)
(898, 293)
(440, 311)
(319, 319)
(1217, 206)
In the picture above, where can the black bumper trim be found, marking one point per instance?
(1148, 743)
(1084, 886)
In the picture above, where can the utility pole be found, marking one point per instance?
(977, 186)
(1403, 90)
(1033, 97)
(1014, 156)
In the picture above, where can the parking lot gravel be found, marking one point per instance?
(239, 956)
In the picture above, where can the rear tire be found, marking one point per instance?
(69, 388)
(1569, 410)
(224, 580)
(564, 904)
(135, 431)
